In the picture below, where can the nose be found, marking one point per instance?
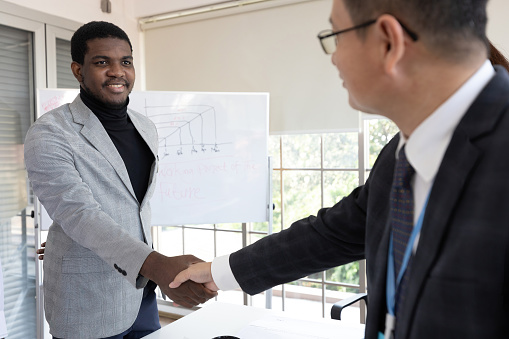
(116, 70)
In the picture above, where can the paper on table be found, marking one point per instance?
(274, 327)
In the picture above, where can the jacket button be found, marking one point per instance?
(116, 267)
(124, 273)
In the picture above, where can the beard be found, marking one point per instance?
(106, 104)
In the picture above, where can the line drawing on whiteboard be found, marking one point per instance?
(186, 129)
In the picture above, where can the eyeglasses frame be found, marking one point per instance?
(321, 37)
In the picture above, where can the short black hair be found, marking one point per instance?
(94, 30)
(450, 27)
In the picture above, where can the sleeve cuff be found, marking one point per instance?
(222, 274)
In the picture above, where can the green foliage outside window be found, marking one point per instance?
(302, 189)
(380, 132)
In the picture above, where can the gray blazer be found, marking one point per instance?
(100, 236)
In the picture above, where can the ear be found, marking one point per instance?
(392, 39)
(76, 70)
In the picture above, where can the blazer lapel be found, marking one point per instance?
(146, 133)
(95, 133)
(459, 160)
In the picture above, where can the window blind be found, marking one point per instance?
(65, 78)
(16, 88)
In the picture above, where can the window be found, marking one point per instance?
(25, 47)
(379, 131)
(16, 226)
(314, 171)
(58, 42)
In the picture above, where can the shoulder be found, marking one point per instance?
(54, 119)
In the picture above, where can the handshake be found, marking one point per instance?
(186, 279)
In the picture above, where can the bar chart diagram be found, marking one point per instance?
(186, 129)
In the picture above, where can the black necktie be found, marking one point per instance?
(402, 218)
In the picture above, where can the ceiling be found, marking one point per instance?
(152, 7)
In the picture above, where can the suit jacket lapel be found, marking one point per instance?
(95, 133)
(459, 160)
(145, 132)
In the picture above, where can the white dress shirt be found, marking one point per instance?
(425, 149)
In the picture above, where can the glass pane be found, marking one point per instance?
(259, 227)
(65, 78)
(303, 299)
(17, 257)
(236, 226)
(340, 150)
(228, 242)
(17, 234)
(302, 195)
(260, 299)
(275, 150)
(276, 200)
(348, 274)
(170, 241)
(199, 243)
(207, 226)
(337, 185)
(252, 238)
(380, 132)
(301, 151)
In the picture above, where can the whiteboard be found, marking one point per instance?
(213, 158)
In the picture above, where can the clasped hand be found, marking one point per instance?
(162, 270)
(200, 272)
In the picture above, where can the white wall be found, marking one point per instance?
(498, 24)
(83, 11)
(247, 52)
(271, 50)
(152, 7)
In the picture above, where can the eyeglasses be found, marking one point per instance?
(328, 37)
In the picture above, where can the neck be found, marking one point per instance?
(427, 89)
(101, 111)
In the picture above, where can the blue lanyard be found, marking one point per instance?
(391, 284)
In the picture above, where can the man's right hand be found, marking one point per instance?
(200, 272)
(162, 270)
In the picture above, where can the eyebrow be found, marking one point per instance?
(107, 57)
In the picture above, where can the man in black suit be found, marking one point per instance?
(424, 65)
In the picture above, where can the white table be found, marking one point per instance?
(219, 319)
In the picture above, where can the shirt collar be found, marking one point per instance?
(426, 146)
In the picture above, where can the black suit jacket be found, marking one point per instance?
(458, 282)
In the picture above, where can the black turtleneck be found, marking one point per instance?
(137, 156)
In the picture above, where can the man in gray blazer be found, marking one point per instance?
(92, 164)
(441, 181)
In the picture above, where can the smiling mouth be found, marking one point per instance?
(117, 88)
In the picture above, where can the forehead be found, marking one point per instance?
(108, 47)
(339, 15)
